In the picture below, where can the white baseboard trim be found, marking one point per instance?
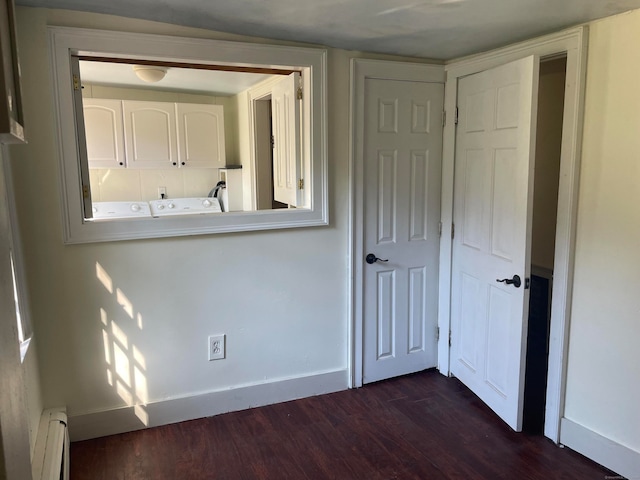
(618, 458)
(127, 419)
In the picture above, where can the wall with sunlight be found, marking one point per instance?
(126, 323)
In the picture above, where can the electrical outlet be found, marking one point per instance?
(162, 192)
(217, 347)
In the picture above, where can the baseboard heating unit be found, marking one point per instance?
(51, 454)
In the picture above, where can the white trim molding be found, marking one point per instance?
(573, 44)
(137, 417)
(360, 71)
(312, 62)
(619, 458)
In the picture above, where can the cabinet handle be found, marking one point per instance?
(175, 163)
(121, 163)
(184, 163)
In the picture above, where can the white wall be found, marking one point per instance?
(14, 416)
(279, 296)
(603, 391)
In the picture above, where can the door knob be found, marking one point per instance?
(371, 259)
(515, 281)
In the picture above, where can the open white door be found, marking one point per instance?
(287, 161)
(402, 177)
(495, 142)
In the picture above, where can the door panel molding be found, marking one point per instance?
(360, 71)
(573, 44)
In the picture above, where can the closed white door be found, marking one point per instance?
(150, 134)
(495, 142)
(201, 135)
(402, 179)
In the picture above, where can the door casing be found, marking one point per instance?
(572, 43)
(361, 70)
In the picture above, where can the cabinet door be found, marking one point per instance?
(201, 135)
(104, 133)
(150, 134)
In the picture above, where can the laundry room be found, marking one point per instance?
(165, 140)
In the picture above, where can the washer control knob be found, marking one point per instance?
(160, 206)
(206, 203)
(171, 205)
(95, 210)
(135, 207)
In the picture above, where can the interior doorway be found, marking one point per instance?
(551, 93)
(264, 155)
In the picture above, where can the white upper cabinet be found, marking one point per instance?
(200, 135)
(139, 134)
(104, 133)
(150, 134)
(287, 161)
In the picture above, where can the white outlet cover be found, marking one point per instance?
(217, 347)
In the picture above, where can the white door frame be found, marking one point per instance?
(361, 70)
(573, 43)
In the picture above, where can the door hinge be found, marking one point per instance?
(437, 334)
(456, 117)
(301, 184)
(273, 142)
(439, 229)
(453, 231)
(449, 337)
(76, 82)
(85, 191)
(527, 283)
(299, 94)
(444, 118)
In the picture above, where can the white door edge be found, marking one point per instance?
(573, 43)
(360, 70)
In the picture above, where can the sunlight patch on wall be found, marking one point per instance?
(104, 278)
(125, 363)
(124, 302)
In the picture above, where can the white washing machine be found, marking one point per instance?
(184, 206)
(120, 210)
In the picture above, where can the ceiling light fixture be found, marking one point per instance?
(150, 74)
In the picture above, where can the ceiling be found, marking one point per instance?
(437, 29)
(209, 82)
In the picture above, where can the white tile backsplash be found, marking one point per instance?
(111, 185)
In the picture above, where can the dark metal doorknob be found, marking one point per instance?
(371, 259)
(515, 281)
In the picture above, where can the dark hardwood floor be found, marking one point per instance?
(423, 426)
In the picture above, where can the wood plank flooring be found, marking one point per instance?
(423, 426)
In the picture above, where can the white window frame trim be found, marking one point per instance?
(312, 62)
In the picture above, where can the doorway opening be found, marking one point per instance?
(551, 94)
(264, 155)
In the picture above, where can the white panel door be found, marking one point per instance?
(287, 161)
(201, 135)
(402, 165)
(150, 134)
(495, 142)
(104, 133)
